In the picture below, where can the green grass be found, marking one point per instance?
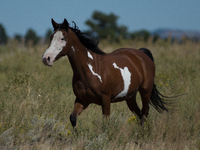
(36, 101)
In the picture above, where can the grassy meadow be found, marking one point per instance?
(36, 102)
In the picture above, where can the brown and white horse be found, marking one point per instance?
(102, 78)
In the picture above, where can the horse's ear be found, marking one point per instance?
(55, 25)
(65, 24)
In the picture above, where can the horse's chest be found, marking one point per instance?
(86, 92)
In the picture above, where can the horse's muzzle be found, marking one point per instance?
(47, 60)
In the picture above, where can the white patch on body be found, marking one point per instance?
(72, 47)
(56, 46)
(89, 55)
(126, 76)
(90, 67)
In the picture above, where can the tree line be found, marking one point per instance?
(30, 37)
(101, 26)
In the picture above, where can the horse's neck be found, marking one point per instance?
(79, 59)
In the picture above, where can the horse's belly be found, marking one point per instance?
(125, 84)
(124, 95)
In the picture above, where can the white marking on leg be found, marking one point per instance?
(126, 76)
(89, 55)
(90, 67)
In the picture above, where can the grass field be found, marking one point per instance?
(36, 101)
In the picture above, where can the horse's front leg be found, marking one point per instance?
(105, 105)
(78, 108)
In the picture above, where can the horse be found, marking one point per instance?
(104, 78)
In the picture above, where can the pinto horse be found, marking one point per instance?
(105, 78)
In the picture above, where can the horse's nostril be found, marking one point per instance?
(48, 59)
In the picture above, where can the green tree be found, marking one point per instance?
(155, 38)
(105, 26)
(18, 37)
(141, 35)
(48, 34)
(31, 36)
(3, 35)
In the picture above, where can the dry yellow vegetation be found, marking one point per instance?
(36, 101)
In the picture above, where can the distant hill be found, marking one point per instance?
(164, 33)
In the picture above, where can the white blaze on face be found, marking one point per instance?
(90, 67)
(126, 76)
(55, 47)
(89, 55)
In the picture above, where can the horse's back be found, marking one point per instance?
(140, 56)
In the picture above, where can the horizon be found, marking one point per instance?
(19, 16)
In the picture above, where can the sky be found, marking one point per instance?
(17, 16)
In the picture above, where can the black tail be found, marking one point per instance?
(157, 100)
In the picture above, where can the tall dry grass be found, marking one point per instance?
(36, 101)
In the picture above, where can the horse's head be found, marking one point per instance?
(60, 43)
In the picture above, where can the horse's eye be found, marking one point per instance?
(63, 39)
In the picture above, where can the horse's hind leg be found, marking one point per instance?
(145, 96)
(132, 105)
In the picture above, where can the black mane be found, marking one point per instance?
(88, 42)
